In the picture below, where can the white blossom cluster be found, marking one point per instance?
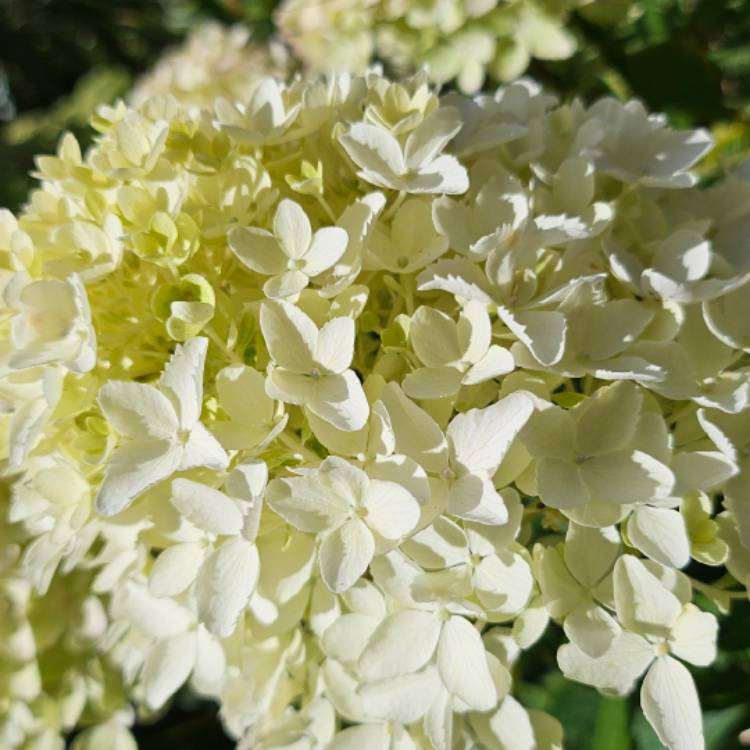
(461, 40)
(214, 60)
(329, 402)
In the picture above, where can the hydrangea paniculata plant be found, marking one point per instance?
(329, 400)
(465, 41)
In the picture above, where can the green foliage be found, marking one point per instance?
(73, 111)
(689, 58)
(59, 59)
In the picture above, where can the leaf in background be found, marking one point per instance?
(100, 86)
(611, 727)
(676, 78)
(723, 726)
(644, 738)
(590, 721)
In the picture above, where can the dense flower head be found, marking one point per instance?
(462, 40)
(214, 60)
(329, 399)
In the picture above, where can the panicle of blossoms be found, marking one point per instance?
(54, 676)
(465, 41)
(333, 397)
(213, 61)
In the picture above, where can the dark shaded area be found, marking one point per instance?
(60, 58)
(688, 58)
(189, 725)
(47, 45)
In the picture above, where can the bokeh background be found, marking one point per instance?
(59, 59)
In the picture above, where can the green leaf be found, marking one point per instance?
(579, 708)
(644, 737)
(719, 726)
(611, 727)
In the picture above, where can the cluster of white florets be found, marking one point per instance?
(462, 40)
(330, 401)
(214, 60)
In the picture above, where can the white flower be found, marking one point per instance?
(680, 268)
(738, 553)
(350, 509)
(466, 457)
(511, 283)
(167, 646)
(224, 564)
(265, 119)
(286, 577)
(658, 626)
(727, 316)
(163, 425)
(731, 434)
(27, 401)
(515, 728)
(600, 341)
(414, 655)
(311, 365)
(98, 249)
(570, 327)
(486, 219)
(291, 254)
(53, 501)
(53, 324)
(254, 418)
(576, 580)
(479, 559)
(638, 147)
(416, 167)
(373, 737)
(409, 243)
(112, 734)
(587, 454)
(455, 353)
(213, 60)
(137, 144)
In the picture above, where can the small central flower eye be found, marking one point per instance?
(315, 373)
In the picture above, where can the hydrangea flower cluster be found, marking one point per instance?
(459, 40)
(329, 402)
(214, 60)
